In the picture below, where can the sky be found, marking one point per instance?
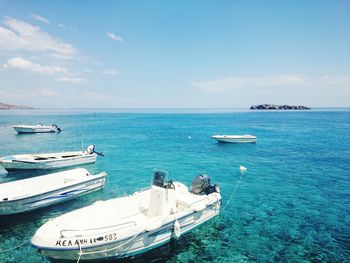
(174, 54)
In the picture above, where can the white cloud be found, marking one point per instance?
(114, 37)
(23, 36)
(112, 72)
(71, 79)
(40, 18)
(270, 81)
(23, 64)
(68, 28)
(62, 74)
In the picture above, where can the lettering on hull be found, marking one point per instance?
(76, 242)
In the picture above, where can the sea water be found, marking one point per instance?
(291, 205)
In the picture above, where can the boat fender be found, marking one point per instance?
(177, 229)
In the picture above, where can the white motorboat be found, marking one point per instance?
(235, 138)
(49, 160)
(130, 225)
(36, 128)
(41, 191)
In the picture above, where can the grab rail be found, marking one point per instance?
(97, 228)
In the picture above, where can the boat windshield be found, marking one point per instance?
(160, 178)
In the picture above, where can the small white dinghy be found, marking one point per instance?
(41, 191)
(131, 225)
(36, 128)
(49, 160)
(235, 138)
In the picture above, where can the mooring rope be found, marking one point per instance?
(13, 248)
(26, 238)
(234, 191)
(81, 253)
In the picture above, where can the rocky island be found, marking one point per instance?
(4, 106)
(278, 107)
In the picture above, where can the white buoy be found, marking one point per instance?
(189, 137)
(242, 168)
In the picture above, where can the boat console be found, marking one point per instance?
(159, 179)
(162, 199)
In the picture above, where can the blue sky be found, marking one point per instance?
(186, 54)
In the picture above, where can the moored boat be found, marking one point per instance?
(235, 138)
(42, 191)
(131, 225)
(36, 128)
(49, 160)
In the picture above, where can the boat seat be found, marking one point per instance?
(188, 200)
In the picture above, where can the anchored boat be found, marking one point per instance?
(41, 191)
(235, 138)
(131, 225)
(49, 160)
(36, 128)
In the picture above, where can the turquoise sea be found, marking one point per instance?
(292, 204)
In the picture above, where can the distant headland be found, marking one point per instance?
(4, 106)
(278, 107)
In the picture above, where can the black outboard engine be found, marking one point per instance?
(201, 185)
(55, 126)
(90, 149)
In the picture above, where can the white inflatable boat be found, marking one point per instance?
(49, 160)
(235, 138)
(36, 128)
(131, 225)
(41, 191)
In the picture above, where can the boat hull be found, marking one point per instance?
(48, 164)
(43, 129)
(103, 246)
(235, 139)
(52, 197)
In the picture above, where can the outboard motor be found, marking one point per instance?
(91, 149)
(54, 126)
(201, 185)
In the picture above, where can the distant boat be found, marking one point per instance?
(235, 138)
(36, 128)
(130, 225)
(41, 191)
(49, 160)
